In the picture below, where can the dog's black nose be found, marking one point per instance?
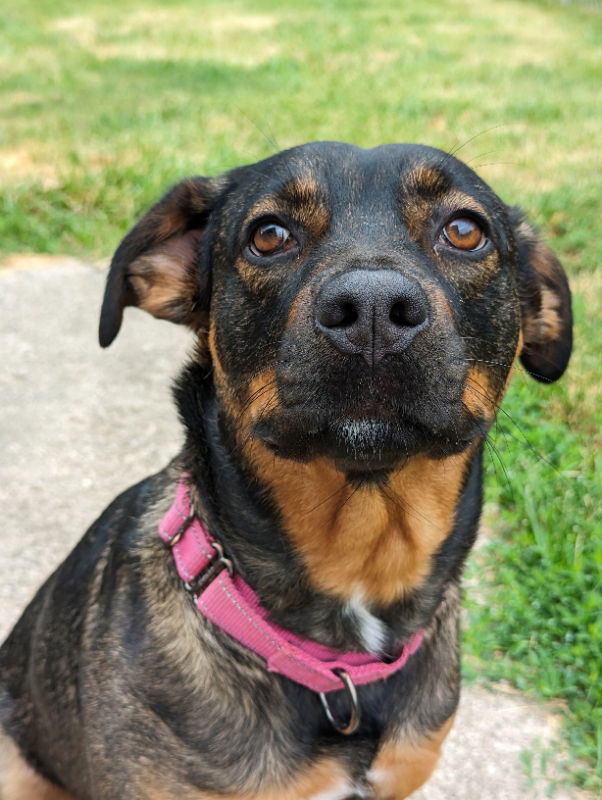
(371, 312)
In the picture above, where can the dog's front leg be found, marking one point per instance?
(401, 768)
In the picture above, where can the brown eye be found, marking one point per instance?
(269, 239)
(465, 234)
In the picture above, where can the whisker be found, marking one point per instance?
(255, 396)
(406, 508)
(498, 456)
(457, 148)
(269, 136)
(501, 410)
(326, 499)
(347, 499)
(516, 364)
(264, 408)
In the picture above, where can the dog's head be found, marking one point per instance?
(365, 306)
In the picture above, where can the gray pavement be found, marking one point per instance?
(79, 424)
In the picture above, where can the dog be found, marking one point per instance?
(274, 616)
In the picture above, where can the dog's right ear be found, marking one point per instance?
(156, 267)
(547, 319)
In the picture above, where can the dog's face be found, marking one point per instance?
(365, 306)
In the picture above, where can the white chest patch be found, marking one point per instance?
(373, 631)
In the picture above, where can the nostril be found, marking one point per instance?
(397, 314)
(348, 316)
(407, 314)
(338, 315)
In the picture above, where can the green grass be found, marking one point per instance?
(536, 620)
(103, 107)
(104, 104)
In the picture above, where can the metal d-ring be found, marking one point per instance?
(221, 558)
(355, 716)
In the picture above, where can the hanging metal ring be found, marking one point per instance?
(355, 716)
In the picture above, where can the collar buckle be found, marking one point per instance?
(218, 563)
(222, 559)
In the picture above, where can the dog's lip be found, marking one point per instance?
(365, 435)
(357, 445)
(362, 441)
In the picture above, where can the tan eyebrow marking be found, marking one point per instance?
(426, 181)
(422, 188)
(269, 204)
(301, 199)
(307, 203)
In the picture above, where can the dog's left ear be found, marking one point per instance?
(545, 298)
(156, 267)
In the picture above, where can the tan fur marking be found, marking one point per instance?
(170, 224)
(325, 775)
(303, 188)
(520, 344)
(425, 181)
(425, 188)
(301, 301)
(547, 325)
(417, 208)
(18, 781)
(544, 261)
(262, 397)
(266, 206)
(163, 279)
(254, 277)
(158, 283)
(455, 199)
(219, 376)
(369, 540)
(306, 204)
(400, 769)
(302, 200)
(479, 397)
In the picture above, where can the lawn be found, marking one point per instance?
(104, 104)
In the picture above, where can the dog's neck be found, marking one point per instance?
(356, 567)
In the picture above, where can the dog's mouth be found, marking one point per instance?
(368, 422)
(366, 449)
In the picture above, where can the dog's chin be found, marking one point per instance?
(366, 450)
(367, 446)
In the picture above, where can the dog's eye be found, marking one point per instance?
(464, 234)
(269, 239)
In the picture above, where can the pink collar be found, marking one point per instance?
(230, 603)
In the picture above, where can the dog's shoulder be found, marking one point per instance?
(45, 644)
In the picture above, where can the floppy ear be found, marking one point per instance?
(545, 297)
(156, 267)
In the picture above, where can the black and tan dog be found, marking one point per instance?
(357, 316)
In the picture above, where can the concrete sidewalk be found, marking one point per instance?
(79, 425)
